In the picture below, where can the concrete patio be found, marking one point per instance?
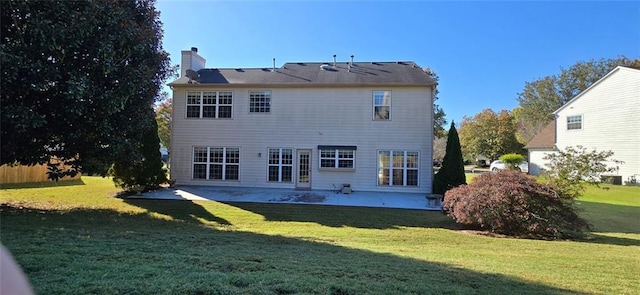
(290, 196)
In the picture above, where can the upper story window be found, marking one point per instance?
(337, 157)
(259, 101)
(209, 104)
(382, 105)
(574, 122)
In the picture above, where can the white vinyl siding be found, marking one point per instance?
(209, 104)
(610, 121)
(537, 162)
(306, 118)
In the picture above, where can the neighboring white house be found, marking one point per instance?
(304, 125)
(605, 116)
(540, 146)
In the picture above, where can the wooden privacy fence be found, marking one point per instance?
(23, 174)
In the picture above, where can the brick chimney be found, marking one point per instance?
(191, 60)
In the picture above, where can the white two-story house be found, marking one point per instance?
(604, 117)
(305, 125)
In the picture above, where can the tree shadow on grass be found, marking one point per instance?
(136, 253)
(611, 218)
(358, 217)
(609, 240)
(178, 210)
(42, 184)
(385, 218)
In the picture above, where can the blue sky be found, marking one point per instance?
(484, 52)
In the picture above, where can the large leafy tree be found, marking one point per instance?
(490, 134)
(163, 119)
(439, 119)
(541, 97)
(79, 79)
(146, 170)
(439, 148)
(451, 174)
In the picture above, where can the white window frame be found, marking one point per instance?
(404, 168)
(255, 107)
(201, 104)
(280, 164)
(382, 104)
(208, 163)
(336, 158)
(571, 122)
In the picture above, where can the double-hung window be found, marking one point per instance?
(259, 101)
(337, 157)
(574, 122)
(280, 165)
(398, 168)
(209, 104)
(382, 105)
(216, 163)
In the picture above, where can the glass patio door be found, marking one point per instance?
(303, 179)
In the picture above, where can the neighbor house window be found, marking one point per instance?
(398, 168)
(574, 122)
(337, 157)
(209, 104)
(259, 101)
(280, 165)
(382, 105)
(216, 163)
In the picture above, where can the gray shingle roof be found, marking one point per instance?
(364, 73)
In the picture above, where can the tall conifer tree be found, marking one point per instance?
(451, 173)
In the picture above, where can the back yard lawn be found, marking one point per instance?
(80, 239)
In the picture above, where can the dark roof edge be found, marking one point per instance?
(305, 85)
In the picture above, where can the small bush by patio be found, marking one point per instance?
(514, 204)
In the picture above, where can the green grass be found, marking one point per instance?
(80, 239)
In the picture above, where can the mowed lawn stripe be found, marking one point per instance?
(80, 239)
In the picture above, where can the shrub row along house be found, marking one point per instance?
(305, 125)
(605, 116)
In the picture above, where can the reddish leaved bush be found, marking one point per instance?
(514, 204)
